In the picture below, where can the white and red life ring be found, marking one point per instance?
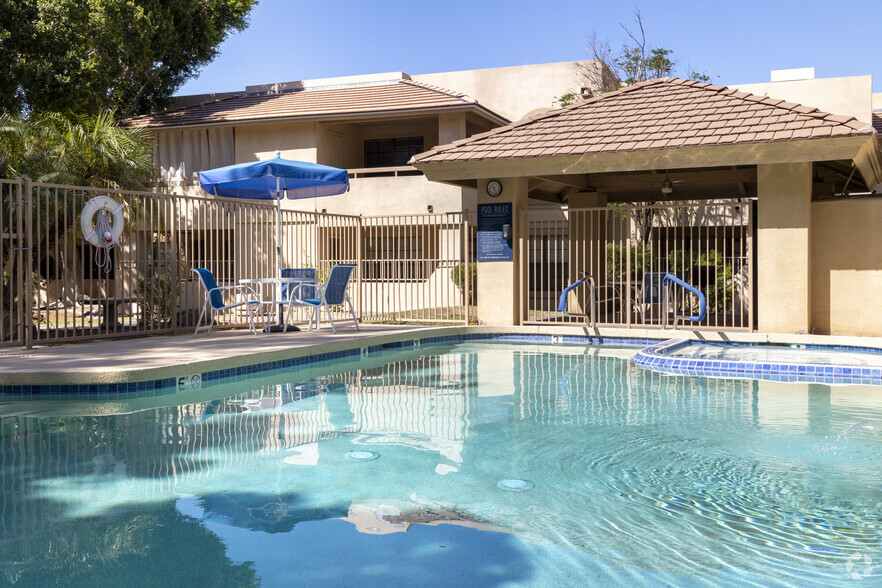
(111, 234)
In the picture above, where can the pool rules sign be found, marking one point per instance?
(494, 232)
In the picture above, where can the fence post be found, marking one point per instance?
(27, 198)
(467, 266)
(359, 254)
(629, 227)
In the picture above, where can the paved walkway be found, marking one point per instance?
(131, 359)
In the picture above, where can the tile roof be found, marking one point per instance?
(401, 95)
(658, 114)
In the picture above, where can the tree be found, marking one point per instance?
(75, 150)
(127, 56)
(636, 62)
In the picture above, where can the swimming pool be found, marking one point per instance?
(482, 463)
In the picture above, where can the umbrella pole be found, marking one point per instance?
(279, 246)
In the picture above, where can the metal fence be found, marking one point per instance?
(627, 250)
(57, 287)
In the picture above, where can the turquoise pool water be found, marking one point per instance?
(471, 464)
(779, 353)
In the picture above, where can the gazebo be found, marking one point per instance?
(818, 254)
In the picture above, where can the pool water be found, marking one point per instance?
(471, 464)
(778, 354)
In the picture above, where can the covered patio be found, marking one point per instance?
(796, 183)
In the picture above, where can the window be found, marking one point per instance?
(399, 258)
(391, 152)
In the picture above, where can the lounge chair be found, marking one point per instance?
(214, 298)
(331, 293)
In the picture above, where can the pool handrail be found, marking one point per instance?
(702, 302)
(562, 301)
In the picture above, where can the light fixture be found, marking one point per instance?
(430, 209)
(667, 186)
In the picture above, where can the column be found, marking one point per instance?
(500, 290)
(783, 244)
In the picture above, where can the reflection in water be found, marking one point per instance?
(733, 487)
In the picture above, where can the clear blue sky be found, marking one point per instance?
(732, 41)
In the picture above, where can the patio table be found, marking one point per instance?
(276, 297)
(109, 309)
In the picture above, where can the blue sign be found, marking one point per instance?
(494, 232)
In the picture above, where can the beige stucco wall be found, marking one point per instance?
(390, 195)
(295, 140)
(847, 267)
(783, 244)
(852, 96)
(511, 91)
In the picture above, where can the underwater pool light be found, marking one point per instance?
(362, 455)
(515, 485)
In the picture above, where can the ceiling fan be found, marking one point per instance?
(667, 185)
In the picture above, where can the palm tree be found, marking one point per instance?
(74, 150)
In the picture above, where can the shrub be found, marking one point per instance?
(721, 293)
(617, 258)
(155, 297)
(458, 276)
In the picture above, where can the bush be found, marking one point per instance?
(155, 297)
(718, 297)
(617, 259)
(459, 275)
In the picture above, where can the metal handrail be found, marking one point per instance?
(562, 301)
(668, 282)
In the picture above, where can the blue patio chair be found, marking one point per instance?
(306, 290)
(214, 298)
(649, 292)
(331, 293)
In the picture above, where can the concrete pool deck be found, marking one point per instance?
(128, 360)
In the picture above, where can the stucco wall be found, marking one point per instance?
(847, 267)
(852, 96)
(390, 195)
(295, 140)
(511, 91)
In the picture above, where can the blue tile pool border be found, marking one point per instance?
(162, 386)
(652, 355)
(656, 358)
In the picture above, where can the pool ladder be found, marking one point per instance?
(668, 283)
(562, 301)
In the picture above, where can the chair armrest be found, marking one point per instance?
(293, 294)
(241, 289)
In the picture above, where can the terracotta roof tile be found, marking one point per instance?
(401, 95)
(658, 114)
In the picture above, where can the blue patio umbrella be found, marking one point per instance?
(274, 179)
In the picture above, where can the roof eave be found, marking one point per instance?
(360, 115)
(855, 148)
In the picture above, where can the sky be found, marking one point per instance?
(731, 41)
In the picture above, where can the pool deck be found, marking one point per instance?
(126, 360)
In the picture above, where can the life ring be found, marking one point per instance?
(87, 223)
